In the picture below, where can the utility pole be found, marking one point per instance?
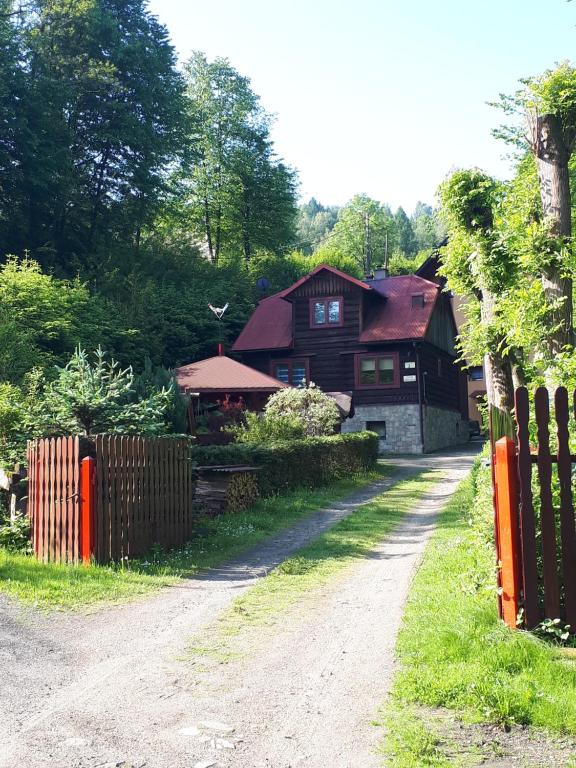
(367, 244)
(386, 252)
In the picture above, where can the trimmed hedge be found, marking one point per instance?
(309, 462)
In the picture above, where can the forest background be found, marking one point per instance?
(134, 192)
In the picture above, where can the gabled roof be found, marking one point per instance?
(270, 326)
(390, 317)
(222, 374)
(396, 319)
(327, 268)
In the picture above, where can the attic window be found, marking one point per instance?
(326, 313)
(417, 300)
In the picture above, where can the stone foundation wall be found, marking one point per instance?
(442, 428)
(399, 427)
(402, 426)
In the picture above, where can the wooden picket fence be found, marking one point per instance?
(109, 498)
(534, 504)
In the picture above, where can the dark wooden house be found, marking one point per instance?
(388, 340)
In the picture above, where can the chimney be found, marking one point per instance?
(381, 273)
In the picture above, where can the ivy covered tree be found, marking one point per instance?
(548, 105)
(479, 265)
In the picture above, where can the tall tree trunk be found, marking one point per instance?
(552, 158)
(99, 173)
(497, 368)
(246, 213)
(208, 230)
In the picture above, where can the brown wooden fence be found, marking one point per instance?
(109, 498)
(535, 511)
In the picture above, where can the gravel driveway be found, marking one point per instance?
(111, 689)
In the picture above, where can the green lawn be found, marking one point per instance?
(456, 654)
(54, 586)
(310, 568)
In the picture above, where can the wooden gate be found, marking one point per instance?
(54, 498)
(535, 511)
(109, 498)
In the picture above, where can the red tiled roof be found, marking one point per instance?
(396, 319)
(269, 327)
(222, 374)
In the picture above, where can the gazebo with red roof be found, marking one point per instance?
(219, 380)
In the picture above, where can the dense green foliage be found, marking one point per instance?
(365, 234)
(261, 429)
(97, 396)
(233, 189)
(309, 462)
(510, 249)
(95, 101)
(105, 155)
(290, 414)
(90, 394)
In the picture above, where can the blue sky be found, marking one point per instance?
(376, 96)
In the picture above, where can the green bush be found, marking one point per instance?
(15, 534)
(309, 462)
(265, 428)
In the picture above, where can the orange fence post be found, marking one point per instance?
(87, 509)
(507, 512)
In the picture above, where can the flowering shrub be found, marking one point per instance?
(316, 412)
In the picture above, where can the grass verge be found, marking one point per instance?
(456, 654)
(309, 569)
(56, 586)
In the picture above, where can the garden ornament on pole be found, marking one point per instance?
(219, 312)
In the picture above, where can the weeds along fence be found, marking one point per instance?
(109, 497)
(534, 506)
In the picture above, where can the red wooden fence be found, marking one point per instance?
(536, 530)
(53, 497)
(109, 498)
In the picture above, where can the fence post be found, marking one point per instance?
(87, 509)
(507, 512)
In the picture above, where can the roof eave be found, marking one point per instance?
(218, 390)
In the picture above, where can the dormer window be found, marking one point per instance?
(326, 312)
(417, 300)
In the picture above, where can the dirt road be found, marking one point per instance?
(112, 689)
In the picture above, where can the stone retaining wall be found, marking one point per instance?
(402, 430)
(443, 428)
